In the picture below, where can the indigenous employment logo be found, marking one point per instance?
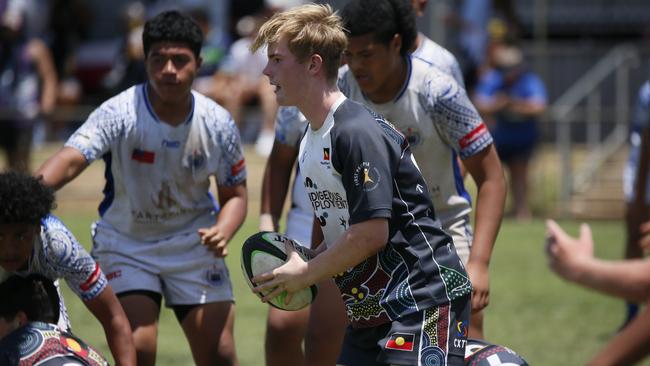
(366, 176)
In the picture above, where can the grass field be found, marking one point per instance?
(546, 320)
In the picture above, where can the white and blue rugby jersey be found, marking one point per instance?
(58, 254)
(440, 123)
(358, 167)
(157, 175)
(438, 56)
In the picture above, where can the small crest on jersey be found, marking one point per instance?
(238, 167)
(401, 342)
(366, 176)
(326, 153)
(143, 156)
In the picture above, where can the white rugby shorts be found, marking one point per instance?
(179, 267)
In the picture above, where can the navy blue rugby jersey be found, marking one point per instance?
(357, 167)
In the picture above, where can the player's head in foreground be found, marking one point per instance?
(380, 35)
(172, 44)
(306, 40)
(25, 201)
(27, 299)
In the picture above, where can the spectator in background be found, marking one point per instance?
(635, 189)
(512, 98)
(129, 70)
(28, 331)
(573, 259)
(470, 19)
(28, 85)
(240, 82)
(429, 51)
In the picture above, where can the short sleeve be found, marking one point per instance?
(453, 114)
(94, 138)
(65, 258)
(231, 170)
(363, 156)
(290, 126)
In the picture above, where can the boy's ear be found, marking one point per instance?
(315, 63)
(396, 42)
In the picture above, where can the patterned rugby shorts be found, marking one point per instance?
(435, 336)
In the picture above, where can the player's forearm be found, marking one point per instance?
(232, 215)
(629, 279)
(62, 167)
(121, 343)
(275, 186)
(489, 212)
(107, 309)
(628, 346)
(359, 242)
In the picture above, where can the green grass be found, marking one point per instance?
(548, 321)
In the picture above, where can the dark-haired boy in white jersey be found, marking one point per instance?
(161, 233)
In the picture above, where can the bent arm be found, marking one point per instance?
(62, 167)
(357, 243)
(628, 279)
(234, 202)
(107, 309)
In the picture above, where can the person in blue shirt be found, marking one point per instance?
(511, 98)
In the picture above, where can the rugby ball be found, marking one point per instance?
(265, 251)
(481, 353)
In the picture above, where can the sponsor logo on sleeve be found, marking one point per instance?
(366, 176)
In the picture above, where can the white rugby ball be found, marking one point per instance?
(265, 251)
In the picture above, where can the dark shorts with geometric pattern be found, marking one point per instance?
(435, 336)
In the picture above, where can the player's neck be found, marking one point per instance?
(393, 85)
(418, 41)
(318, 107)
(173, 113)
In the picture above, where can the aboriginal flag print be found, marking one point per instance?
(400, 342)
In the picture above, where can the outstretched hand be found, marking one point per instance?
(290, 277)
(567, 254)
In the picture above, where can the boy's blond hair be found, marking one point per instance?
(309, 29)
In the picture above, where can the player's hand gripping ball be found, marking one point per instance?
(265, 251)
